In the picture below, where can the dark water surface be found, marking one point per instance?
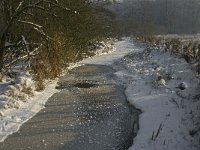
(89, 113)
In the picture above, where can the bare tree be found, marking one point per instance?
(48, 34)
(22, 13)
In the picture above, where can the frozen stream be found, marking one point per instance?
(163, 86)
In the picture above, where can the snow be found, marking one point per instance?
(18, 106)
(120, 49)
(152, 77)
(176, 111)
(170, 118)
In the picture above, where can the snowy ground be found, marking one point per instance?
(170, 116)
(18, 107)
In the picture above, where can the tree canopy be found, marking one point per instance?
(49, 33)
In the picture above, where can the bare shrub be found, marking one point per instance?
(48, 35)
(175, 46)
(198, 52)
(49, 63)
(39, 85)
(11, 93)
(27, 89)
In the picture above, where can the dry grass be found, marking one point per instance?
(11, 93)
(26, 89)
(39, 85)
(189, 49)
(22, 93)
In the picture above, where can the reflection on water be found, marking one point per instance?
(104, 119)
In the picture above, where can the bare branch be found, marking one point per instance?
(19, 6)
(57, 5)
(43, 34)
(30, 23)
(29, 14)
(31, 54)
(60, 6)
(17, 14)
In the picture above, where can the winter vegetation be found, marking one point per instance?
(187, 47)
(40, 38)
(39, 41)
(44, 36)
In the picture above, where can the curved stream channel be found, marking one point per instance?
(89, 113)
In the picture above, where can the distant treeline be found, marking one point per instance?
(158, 16)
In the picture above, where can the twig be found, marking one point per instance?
(154, 136)
(174, 102)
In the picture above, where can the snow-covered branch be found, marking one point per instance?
(30, 23)
(19, 6)
(28, 55)
(41, 32)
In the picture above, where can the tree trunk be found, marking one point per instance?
(1, 58)
(2, 48)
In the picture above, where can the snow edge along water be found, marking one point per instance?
(11, 119)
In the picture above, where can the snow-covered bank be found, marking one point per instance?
(12, 119)
(154, 81)
(120, 49)
(171, 114)
(19, 101)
